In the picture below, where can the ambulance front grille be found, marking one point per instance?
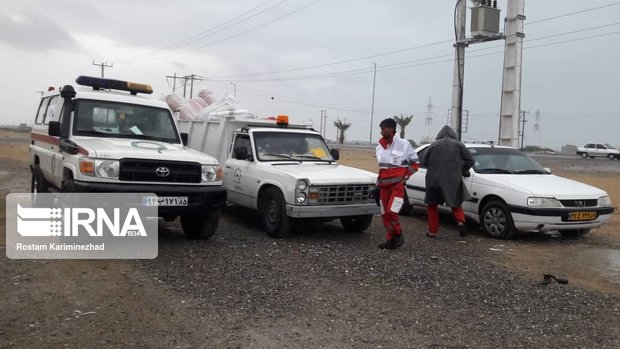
(344, 194)
(141, 170)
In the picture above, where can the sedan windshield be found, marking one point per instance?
(276, 146)
(120, 120)
(504, 161)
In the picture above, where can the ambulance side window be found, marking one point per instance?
(51, 110)
(42, 110)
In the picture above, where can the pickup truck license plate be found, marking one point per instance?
(581, 216)
(165, 201)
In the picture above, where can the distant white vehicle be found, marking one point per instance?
(592, 150)
(511, 192)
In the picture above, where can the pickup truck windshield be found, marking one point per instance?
(121, 120)
(504, 161)
(279, 146)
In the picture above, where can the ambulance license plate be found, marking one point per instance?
(166, 201)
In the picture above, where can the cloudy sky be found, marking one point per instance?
(298, 57)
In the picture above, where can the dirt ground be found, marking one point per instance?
(171, 302)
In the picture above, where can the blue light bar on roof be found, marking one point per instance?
(99, 83)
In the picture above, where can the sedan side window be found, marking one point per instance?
(600, 146)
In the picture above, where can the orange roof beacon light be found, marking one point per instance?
(282, 120)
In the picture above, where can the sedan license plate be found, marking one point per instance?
(166, 201)
(581, 216)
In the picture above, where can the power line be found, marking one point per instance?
(401, 50)
(230, 37)
(209, 32)
(406, 64)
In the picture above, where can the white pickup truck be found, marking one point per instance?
(593, 150)
(283, 170)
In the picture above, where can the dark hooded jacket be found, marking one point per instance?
(446, 160)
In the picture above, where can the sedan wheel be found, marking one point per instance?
(496, 220)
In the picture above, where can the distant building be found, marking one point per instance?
(569, 149)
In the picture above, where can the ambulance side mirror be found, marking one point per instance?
(53, 129)
(335, 153)
(184, 138)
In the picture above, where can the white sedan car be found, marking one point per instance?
(511, 192)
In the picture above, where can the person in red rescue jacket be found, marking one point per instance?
(397, 161)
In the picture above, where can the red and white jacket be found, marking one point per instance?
(397, 160)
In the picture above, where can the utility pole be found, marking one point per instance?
(459, 67)
(372, 108)
(511, 81)
(428, 120)
(235, 88)
(523, 121)
(537, 127)
(103, 65)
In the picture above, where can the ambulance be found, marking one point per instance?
(103, 137)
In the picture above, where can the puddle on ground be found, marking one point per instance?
(605, 261)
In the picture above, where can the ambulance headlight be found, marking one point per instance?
(209, 173)
(107, 168)
(300, 197)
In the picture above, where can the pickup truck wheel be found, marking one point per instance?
(574, 233)
(584, 155)
(356, 224)
(405, 210)
(272, 208)
(68, 186)
(496, 220)
(200, 226)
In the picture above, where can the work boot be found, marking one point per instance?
(462, 230)
(399, 240)
(388, 245)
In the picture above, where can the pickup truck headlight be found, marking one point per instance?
(210, 173)
(543, 202)
(604, 201)
(107, 168)
(302, 184)
(300, 197)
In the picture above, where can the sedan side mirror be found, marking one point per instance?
(335, 153)
(547, 169)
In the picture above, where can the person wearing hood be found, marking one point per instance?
(397, 161)
(447, 160)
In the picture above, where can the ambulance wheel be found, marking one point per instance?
(38, 183)
(356, 224)
(200, 226)
(272, 208)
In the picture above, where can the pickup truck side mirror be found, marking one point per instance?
(335, 153)
(241, 153)
(53, 129)
(184, 138)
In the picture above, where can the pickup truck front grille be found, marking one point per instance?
(580, 203)
(141, 170)
(343, 194)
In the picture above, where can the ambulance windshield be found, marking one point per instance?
(121, 120)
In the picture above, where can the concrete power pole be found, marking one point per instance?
(523, 120)
(511, 85)
(459, 67)
(428, 120)
(103, 65)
